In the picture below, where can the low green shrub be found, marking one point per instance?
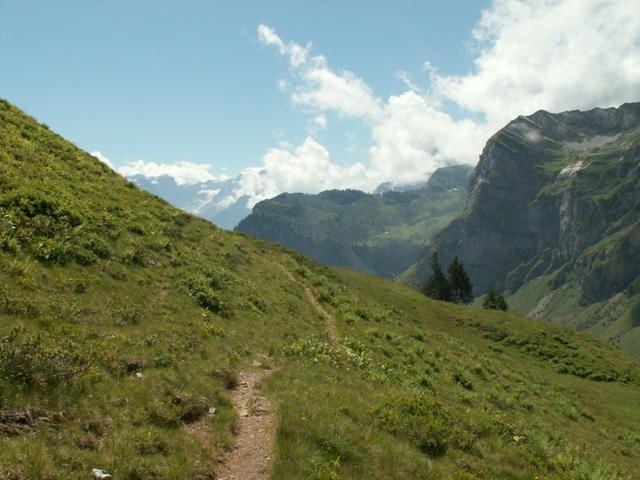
(30, 361)
(419, 419)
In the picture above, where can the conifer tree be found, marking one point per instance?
(461, 287)
(495, 301)
(437, 286)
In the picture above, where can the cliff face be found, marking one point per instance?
(554, 196)
(547, 188)
(381, 233)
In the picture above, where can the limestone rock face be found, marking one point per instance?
(553, 191)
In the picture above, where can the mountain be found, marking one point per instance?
(553, 219)
(129, 329)
(376, 233)
(214, 200)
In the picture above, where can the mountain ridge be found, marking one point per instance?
(376, 233)
(555, 197)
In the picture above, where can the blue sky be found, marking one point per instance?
(169, 81)
(304, 96)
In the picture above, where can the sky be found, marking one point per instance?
(305, 96)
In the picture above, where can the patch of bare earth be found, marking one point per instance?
(251, 457)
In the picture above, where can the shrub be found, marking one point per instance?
(13, 304)
(29, 361)
(203, 287)
(461, 377)
(127, 314)
(419, 419)
(135, 255)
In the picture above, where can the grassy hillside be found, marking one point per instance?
(382, 234)
(124, 320)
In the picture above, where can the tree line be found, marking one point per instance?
(456, 287)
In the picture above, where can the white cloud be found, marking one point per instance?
(319, 87)
(550, 54)
(306, 168)
(414, 139)
(183, 172)
(102, 158)
(319, 121)
(531, 54)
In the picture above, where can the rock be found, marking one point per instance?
(99, 474)
(525, 217)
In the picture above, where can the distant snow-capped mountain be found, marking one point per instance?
(215, 200)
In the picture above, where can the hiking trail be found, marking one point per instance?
(251, 457)
(329, 321)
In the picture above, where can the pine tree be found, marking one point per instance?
(461, 287)
(437, 286)
(495, 301)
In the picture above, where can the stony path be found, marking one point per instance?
(251, 458)
(329, 321)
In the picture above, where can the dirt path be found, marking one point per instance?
(329, 321)
(251, 458)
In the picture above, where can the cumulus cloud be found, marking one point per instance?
(318, 86)
(102, 158)
(306, 168)
(531, 54)
(183, 172)
(414, 138)
(550, 54)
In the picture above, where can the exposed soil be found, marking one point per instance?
(251, 457)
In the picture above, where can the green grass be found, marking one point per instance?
(614, 320)
(123, 320)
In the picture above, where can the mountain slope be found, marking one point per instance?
(124, 321)
(213, 200)
(553, 218)
(381, 234)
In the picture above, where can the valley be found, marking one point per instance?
(126, 326)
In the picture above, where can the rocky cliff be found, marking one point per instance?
(554, 197)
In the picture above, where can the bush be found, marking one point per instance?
(29, 361)
(419, 419)
(203, 287)
(461, 377)
(495, 301)
(127, 314)
(13, 304)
